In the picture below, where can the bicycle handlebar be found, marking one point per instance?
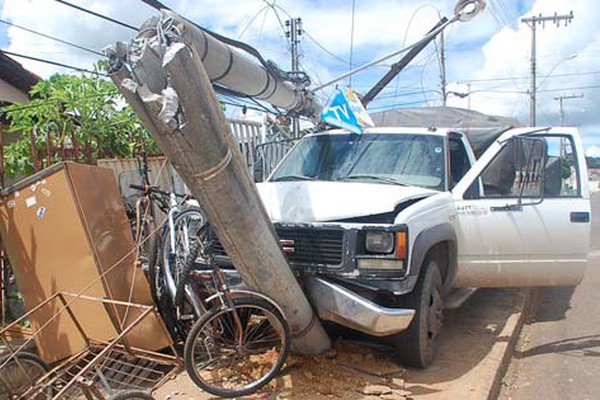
(154, 189)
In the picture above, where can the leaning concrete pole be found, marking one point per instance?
(183, 115)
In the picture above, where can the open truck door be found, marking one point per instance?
(523, 212)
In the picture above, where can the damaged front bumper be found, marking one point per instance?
(337, 304)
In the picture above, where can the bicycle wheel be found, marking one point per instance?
(148, 247)
(220, 363)
(166, 305)
(21, 372)
(176, 245)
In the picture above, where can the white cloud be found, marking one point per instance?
(68, 24)
(479, 54)
(593, 151)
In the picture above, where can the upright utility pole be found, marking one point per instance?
(532, 22)
(294, 31)
(561, 111)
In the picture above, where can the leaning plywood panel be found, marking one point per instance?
(101, 208)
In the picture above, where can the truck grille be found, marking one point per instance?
(307, 247)
(313, 246)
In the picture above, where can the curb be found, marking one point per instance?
(505, 349)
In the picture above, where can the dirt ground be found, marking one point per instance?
(353, 370)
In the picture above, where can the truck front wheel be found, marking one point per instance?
(418, 344)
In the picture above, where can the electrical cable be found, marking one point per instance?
(351, 42)
(85, 10)
(394, 106)
(276, 6)
(526, 77)
(53, 63)
(249, 24)
(52, 38)
(279, 20)
(28, 106)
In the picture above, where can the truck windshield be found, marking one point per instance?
(402, 159)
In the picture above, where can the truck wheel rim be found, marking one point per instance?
(435, 314)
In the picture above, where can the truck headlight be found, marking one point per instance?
(380, 242)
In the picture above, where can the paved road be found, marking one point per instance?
(558, 355)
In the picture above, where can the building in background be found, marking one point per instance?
(15, 84)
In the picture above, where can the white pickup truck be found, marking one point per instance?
(384, 226)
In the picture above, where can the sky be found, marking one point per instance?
(487, 59)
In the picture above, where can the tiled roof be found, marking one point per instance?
(14, 74)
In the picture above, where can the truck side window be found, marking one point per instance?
(516, 171)
(562, 174)
(459, 161)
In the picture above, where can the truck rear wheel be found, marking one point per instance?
(417, 345)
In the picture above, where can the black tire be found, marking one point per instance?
(148, 250)
(132, 395)
(165, 304)
(417, 346)
(213, 337)
(151, 246)
(187, 224)
(20, 373)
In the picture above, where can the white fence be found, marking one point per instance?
(260, 158)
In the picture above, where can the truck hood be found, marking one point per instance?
(319, 201)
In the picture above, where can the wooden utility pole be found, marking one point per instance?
(561, 111)
(532, 22)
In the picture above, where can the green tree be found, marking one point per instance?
(84, 115)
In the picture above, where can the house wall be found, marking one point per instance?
(9, 94)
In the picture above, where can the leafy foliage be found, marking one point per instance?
(593, 162)
(81, 118)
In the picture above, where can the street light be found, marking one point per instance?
(570, 57)
(462, 95)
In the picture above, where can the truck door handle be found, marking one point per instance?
(579, 216)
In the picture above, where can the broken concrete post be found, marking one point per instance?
(185, 118)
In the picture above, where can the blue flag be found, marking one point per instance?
(339, 113)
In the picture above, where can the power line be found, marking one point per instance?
(394, 106)
(30, 106)
(155, 4)
(325, 49)
(52, 38)
(315, 41)
(279, 20)
(351, 41)
(570, 88)
(53, 63)
(85, 10)
(525, 77)
(251, 22)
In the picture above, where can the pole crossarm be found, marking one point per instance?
(560, 99)
(532, 23)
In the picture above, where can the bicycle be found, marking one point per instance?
(165, 247)
(161, 250)
(241, 340)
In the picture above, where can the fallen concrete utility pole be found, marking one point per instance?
(163, 78)
(237, 68)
